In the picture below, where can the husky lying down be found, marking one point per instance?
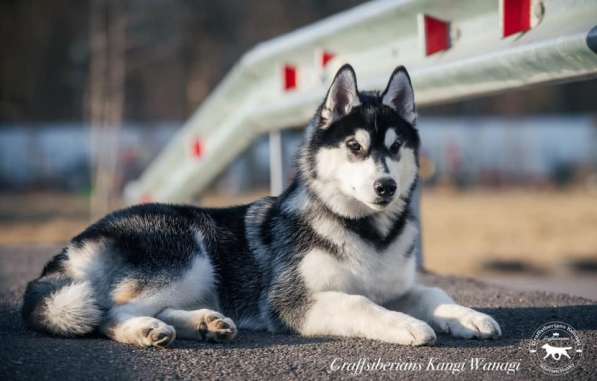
(333, 255)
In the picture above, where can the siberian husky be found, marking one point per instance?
(334, 255)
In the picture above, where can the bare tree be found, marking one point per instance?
(106, 98)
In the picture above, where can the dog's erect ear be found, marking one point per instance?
(342, 95)
(400, 96)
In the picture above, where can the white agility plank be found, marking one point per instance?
(374, 38)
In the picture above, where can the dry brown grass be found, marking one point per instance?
(544, 228)
(460, 230)
(41, 218)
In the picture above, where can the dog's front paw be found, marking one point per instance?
(412, 332)
(465, 322)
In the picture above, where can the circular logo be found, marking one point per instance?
(556, 348)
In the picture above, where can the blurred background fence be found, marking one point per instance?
(466, 152)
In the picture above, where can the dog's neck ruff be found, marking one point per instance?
(300, 199)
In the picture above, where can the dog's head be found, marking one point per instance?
(360, 155)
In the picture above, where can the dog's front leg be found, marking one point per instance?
(434, 306)
(339, 314)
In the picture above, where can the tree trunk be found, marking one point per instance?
(106, 100)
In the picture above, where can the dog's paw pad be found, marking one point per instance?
(482, 325)
(216, 327)
(422, 334)
(413, 333)
(469, 324)
(157, 334)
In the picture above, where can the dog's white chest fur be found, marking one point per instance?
(360, 269)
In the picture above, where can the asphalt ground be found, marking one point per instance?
(26, 355)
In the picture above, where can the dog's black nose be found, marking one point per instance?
(385, 187)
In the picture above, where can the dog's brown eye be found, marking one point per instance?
(354, 146)
(395, 147)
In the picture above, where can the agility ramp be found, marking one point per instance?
(453, 50)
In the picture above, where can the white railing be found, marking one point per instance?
(453, 49)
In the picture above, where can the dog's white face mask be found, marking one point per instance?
(365, 151)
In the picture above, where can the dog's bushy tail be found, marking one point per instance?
(56, 304)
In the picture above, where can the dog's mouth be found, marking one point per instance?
(380, 203)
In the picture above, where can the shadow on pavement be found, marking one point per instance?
(252, 339)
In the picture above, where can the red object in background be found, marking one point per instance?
(146, 199)
(326, 57)
(290, 77)
(197, 148)
(517, 16)
(437, 35)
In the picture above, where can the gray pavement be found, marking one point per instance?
(33, 356)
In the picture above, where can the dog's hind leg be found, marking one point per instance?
(202, 324)
(129, 325)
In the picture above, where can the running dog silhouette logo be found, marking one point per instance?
(556, 348)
